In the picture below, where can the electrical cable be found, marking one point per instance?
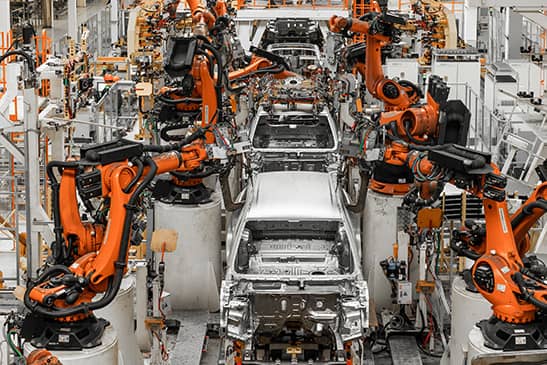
(18, 52)
(113, 282)
(528, 295)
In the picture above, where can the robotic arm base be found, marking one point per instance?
(500, 335)
(57, 335)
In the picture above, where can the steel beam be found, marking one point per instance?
(12, 148)
(114, 26)
(47, 13)
(72, 20)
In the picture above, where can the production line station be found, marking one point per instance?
(273, 182)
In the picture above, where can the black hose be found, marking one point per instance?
(528, 295)
(393, 127)
(17, 52)
(359, 205)
(57, 251)
(411, 138)
(528, 210)
(170, 101)
(203, 38)
(229, 202)
(140, 170)
(209, 61)
(49, 272)
(228, 85)
(115, 282)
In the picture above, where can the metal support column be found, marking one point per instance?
(32, 179)
(47, 13)
(72, 20)
(5, 23)
(513, 34)
(114, 26)
(494, 36)
(469, 29)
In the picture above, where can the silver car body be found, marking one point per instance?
(299, 150)
(299, 146)
(293, 268)
(305, 54)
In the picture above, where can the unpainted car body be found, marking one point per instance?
(299, 139)
(293, 291)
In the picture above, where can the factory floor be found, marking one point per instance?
(383, 358)
(188, 345)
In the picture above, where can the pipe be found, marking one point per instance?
(58, 245)
(115, 281)
(528, 294)
(17, 52)
(359, 205)
(527, 210)
(229, 203)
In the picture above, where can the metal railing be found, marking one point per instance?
(452, 5)
(492, 132)
(313, 4)
(485, 126)
(99, 40)
(10, 215)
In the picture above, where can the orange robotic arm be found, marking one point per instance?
(378, 33)
(499, 273)
(528, 214)
(201, 87)
(118, 172)
(200, 13)
(261, 65)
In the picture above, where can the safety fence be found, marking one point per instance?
(341, 4)
(12, 241)
(453, 6)
(485, 126)
(99, 40)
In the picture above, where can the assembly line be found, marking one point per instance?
(273, 182)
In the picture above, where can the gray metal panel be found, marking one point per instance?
(294, 195)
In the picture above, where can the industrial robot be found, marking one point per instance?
(502, 272)
(203, 73)
(437, 121)
(89, 258)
